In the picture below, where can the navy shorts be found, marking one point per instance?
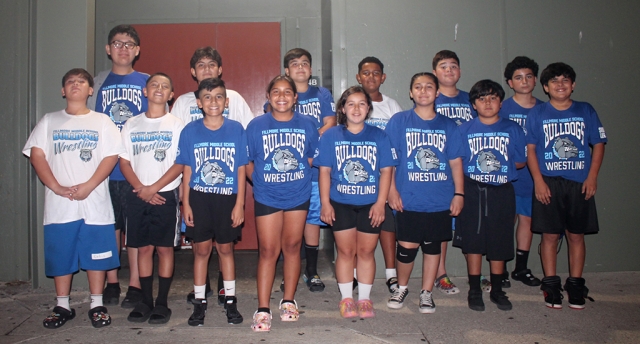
(568, 209)
(260, 209)
(156, 225)
(353, 216)
(212, 218)
(485, 225)
(119, 191)
(76, 245)
(389, 224)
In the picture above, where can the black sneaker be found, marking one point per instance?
(501, 300)
(314, 283)
(506, 283)
(552, 289)
(526, 277)
(392, 284)
(208, 293)
(132, 298)
(111, 294)
(231, 306)
(199, 311)
(475, 300)
(396, 301)
(577, 292)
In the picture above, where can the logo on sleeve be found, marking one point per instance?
(487, 162)
(563, 148)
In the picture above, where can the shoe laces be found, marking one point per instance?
(399, 295)
(426, 298)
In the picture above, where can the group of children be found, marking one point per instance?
(472, 162)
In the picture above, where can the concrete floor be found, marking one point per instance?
(614, 317)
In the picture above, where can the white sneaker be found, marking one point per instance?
(396, 301)
(426, 302)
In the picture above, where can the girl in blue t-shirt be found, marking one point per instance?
(356, 163)
(281, 147)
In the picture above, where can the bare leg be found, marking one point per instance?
(523, 233)
(269, 230)
(430, 264)
(96, 281)
(474, 264)
(577, 254)
(134, 276)
(227, 262)
(388, 244)
(549, 253)
(346, 245)
(292, 232)
(145, 261)
(443, 258)
(201, 252)
(63, 284)
(366, 246)
(165, 262)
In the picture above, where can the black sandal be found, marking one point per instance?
(58, 317)
(99, 317)
(140, 313)
(160, 315)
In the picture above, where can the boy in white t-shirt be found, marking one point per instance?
(73, 151)
(153, 216)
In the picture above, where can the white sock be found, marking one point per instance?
(402, 287)
(390, 273)
(63, 301)
(346, 290)
(364, 290)
(96, 300)
(229, 288)
(199, 291)
(355, 275)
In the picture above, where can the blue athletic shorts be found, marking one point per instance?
(313, 216)
(523, 205)
(76, 245)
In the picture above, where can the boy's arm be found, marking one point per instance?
(237, 214)
(394, 199)
(328, 122)
(542, 192)
(327, 214)
(376, 214)
(39, 162)
(591, 183)
(187, 213)
(520, 165)
(102, 172)
(458, 181)
(129, 175)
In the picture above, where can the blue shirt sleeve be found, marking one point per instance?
(327, 106)
(184, 156)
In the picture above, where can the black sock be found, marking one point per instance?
(312, 260)
(220, 282)
(522, 257)
(264, 309)
(474, 282)
(505, 272)
(147, 290)
(164, 284)
(207, 289)
(496, 283)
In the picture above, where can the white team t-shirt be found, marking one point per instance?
(74, 146)
(186, 108)
(382, 112)
(151, 145)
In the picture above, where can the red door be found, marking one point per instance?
(250, 59)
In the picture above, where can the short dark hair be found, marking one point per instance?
(282, 77)
(520, 62)
(557, 69)
(340, 114)
(126, 29)
(80, 72)
(205, 52)
(371, 59)
(443, 55)
(427, 74)
(210, 84)
(484, 88)
(159, 74)
(295, 53)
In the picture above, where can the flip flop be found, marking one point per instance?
(160, 315)
(140, 313)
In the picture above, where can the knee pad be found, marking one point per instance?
(406, 255)
(432, 248)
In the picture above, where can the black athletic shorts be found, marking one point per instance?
(212, 218)
(157, 225)
(260, 209)
(485, 225)
(568, 209)
(418, 227)
(353, 216)
(389, 224)
(119, 190)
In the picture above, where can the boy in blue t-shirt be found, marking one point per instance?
(453, 103)
(317, 104)
(213, 151)
(494, 149)
(560, 134)
(119, 95)
(521, 74)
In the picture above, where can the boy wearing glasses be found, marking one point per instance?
(119, 96)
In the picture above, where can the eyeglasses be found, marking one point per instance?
(120, 44)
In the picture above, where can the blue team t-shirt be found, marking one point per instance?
(424, 148)
(457, 108)
(120, 97)
(213, 155)
(280, 152)
(355, 161)
(492, 151)
(523, 186)
(563, 137)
